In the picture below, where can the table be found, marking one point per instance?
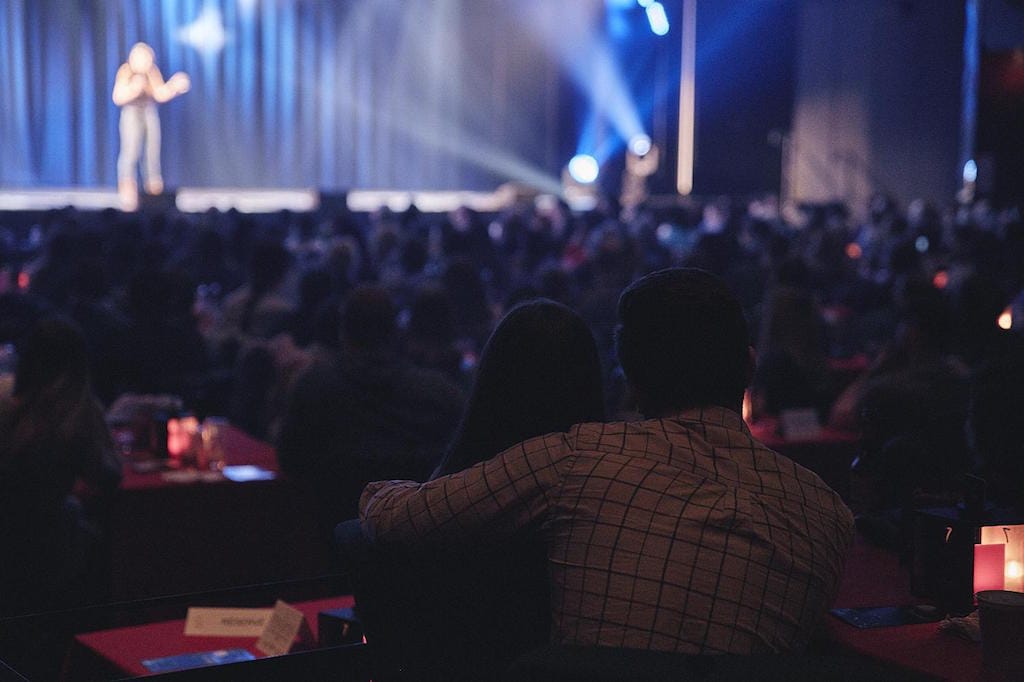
(120, 651)
(170, 538)
(829, 454)
(874, 577)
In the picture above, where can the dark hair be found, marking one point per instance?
(683, 341)
(539, 373)
(157, 297)
(52, 389)
(431, 316)
(54, 352)
(268, 266)
(368, 318)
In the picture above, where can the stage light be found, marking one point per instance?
(645, 3)
(584, 169)
(640, 144)
(206, 34)
(970, 171)
(657, 18)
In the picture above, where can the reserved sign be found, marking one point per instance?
(224, 622)
(285, 624)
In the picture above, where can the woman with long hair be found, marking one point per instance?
(539, 373)
(467, 616)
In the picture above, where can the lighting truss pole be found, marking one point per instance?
(687, 99)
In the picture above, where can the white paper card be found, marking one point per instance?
(286, 622)
(221, 622)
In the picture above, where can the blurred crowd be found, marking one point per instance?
(354, 338)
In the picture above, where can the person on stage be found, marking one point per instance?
(138, 87)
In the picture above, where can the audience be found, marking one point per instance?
(259, 308)
(792, 368)
(634, 515)
(345, 338)
(995, 429)
(364, 412)
(166, 352)
(53, 443)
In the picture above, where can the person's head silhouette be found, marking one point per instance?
(683, 342)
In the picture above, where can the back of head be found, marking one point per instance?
(466, 288)
(157, 297)
(539, 373)
(431, 316)
(315, 287)
(53, 355)
(997, 393)
(268, 266)
(368, 319)
(683, 341)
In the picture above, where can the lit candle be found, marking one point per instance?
(1005, 320)
(988, 567)
(176, 436)
(1011, 537)
(1013, 575)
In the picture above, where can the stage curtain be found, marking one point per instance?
(413, 94)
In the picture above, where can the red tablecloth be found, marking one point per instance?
(171, 538)
(239, 448)
(874, 577)
(122, 650)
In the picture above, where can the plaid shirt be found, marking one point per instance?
(679, 534)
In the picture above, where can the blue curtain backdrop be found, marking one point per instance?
(417, 94)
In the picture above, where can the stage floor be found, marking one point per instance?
(257, 200)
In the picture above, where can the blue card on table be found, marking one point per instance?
(197, 660)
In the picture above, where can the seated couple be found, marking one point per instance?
(678, 533)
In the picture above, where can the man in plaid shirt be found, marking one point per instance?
(676, 533)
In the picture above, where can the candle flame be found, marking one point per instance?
(1006, 319)
(1014, 569)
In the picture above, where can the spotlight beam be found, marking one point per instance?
(415, 80)
(568, 33)
(466, 148)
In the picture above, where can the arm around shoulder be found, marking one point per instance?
(496, 497)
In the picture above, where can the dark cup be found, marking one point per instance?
(1001, 613)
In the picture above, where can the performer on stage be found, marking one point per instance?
(138, 87)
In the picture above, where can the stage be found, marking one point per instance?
(264, 200)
